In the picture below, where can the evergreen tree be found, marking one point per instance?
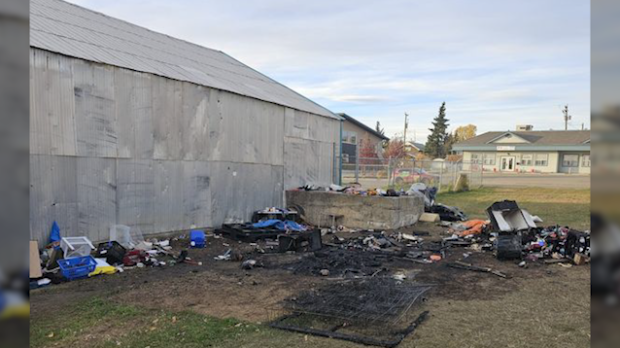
(436, 143)
(379, 129)
(451, 139)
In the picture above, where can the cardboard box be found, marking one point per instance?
(428, 217)
(35, 260)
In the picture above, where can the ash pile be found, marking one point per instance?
(367, 256)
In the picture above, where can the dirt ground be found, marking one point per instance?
(222, 289)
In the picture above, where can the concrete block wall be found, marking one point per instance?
(365, 212)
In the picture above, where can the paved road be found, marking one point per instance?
(510, 180)
(537, 180)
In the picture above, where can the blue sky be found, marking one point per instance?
(495, 63)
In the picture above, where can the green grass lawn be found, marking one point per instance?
(567, 207)
(101, 323)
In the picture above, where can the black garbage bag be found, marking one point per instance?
(447, 213)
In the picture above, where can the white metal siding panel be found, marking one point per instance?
(96, 196)
(135, 194)
(96, 110)
(134, 114)
(53, 196)
(52, 116)
(113, 145)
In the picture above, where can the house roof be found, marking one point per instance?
(71, 30)
(547, 139)
(363, 126)
(418, 146)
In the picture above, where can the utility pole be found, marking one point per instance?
(406, 126)
(567, 117)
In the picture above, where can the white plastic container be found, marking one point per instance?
(126, 236)
(76, 246)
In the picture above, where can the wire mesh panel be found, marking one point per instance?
(371, 301)
(373, 310)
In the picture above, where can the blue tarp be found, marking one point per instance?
(281, 225)
(265, 223)
(55, 234)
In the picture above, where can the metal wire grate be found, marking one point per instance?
(371, 300)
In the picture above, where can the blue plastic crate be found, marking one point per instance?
(77, 267)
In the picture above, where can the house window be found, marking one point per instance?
(349, 137)
(475, 158)
(570, 161)
(585, 161)
(527, 160)
(542, 159)
(488, 159)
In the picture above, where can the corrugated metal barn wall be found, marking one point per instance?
(115, 146)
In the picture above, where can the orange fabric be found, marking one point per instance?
(473, 227)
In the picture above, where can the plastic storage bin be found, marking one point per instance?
(126, 236)
(112, 251)
(76, 246)
(77, 267)
(197, 239)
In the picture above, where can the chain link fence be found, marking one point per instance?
(402, 173)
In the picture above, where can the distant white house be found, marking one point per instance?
(528, 151)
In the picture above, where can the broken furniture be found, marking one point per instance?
(302, 242)
(506, 216)
(76, 246)
(364, 212)
(509, 221)
(509, 246)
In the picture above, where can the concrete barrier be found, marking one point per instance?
(367, 212)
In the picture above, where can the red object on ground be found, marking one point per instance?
(133, 257)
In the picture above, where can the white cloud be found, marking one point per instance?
(495, 63)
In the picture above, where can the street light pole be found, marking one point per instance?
(567, 117)
(406, 126)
